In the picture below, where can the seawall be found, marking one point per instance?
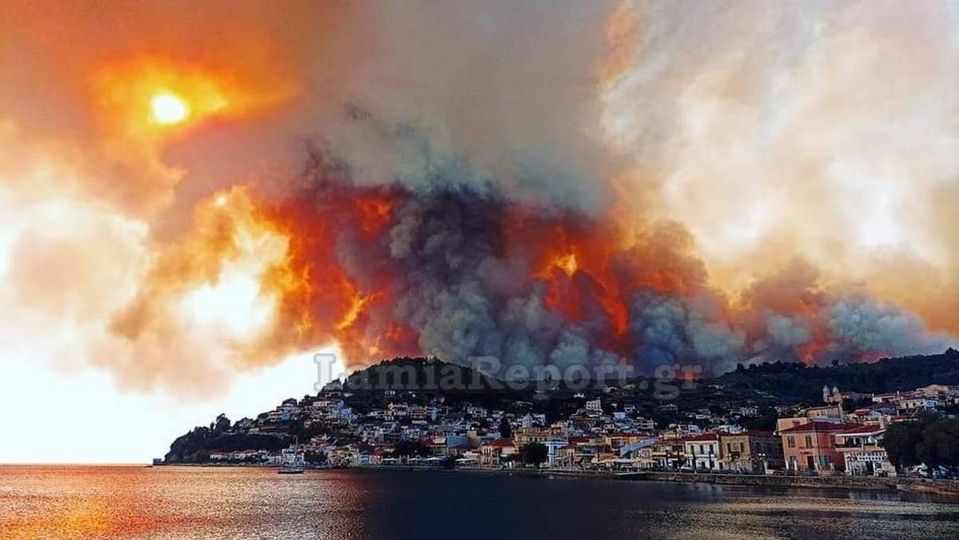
(918, 485)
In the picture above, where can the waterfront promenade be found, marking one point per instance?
(870, 483)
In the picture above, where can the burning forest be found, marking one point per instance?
(550, 184)
(459, 272)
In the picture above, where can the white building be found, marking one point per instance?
(702, 452)
(918, 404)
(862, 452)
(594, 406)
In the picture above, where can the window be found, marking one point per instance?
(808, 441)
(791, 441)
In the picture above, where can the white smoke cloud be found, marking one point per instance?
(867, 327)
(808, 129)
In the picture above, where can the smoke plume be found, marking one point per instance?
(550, 183)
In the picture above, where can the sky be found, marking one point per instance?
(81, 417)
(788, 173)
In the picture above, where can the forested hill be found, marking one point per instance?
(421, 380)
(795, 382)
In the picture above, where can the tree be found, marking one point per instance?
(900, 441)
(222, 424)
(939, 446)
(505, 429)
(410, 448)
(315, 458)
(534, 454)
(766, 421)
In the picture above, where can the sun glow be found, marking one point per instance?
(168, 108)
(145, 98)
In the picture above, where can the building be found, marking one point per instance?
(553, 445)
(920, 403)
(811, 447)
(785, 423)
(594, 406)
(664, 454)
(824, 412)
(891, 397)
(703, 453)
(752, 452)
(545, 436)
(497, 452)
(939, 391)
(644, 424)
(862, 452)
(581, 452)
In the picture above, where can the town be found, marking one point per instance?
(604, 430)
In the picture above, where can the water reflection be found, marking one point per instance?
(177, 502)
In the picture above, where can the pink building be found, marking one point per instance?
(812, 447)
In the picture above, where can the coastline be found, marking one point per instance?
(946, 488)
(398, 504)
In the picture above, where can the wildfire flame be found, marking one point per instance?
(567, 263)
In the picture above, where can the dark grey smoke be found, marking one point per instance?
(464, 285)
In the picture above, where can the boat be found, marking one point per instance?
(291, 462)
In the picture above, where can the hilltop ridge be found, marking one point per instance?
(421, 382)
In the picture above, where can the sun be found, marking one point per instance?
(168, 108)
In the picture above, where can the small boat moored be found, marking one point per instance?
(291, 462)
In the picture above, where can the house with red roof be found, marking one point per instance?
(496, 452)
(811, 447)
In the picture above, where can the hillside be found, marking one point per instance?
(421, 381)
(790, 382)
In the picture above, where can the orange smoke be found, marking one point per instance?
(586, 270)
(323, 303)
(151, 97)
(211, 299)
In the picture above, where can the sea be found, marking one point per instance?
(222, 502)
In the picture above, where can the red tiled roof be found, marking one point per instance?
(703, 437)
(819, 426)
(864, 428)
(501, 443)
(750, 434)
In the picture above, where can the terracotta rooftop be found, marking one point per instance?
(750, 434)
(864, 428)
(819, 426)
(703, 437)
(501, 443)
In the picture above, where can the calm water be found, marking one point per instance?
(175, 502)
